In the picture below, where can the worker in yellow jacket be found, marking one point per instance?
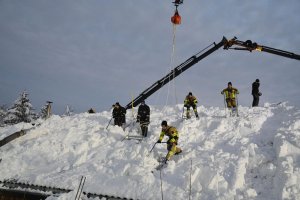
(172, 133)
(230, 95)
(190, 101)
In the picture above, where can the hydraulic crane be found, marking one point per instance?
(248, 45)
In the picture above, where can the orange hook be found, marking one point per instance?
(176, 19)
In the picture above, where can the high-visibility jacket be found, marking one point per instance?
(171, 132)
(230, 93)
(190, 100)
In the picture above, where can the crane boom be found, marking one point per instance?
(174, 73)
(227, 44)
(250, 46)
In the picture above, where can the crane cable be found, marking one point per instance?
(176, 20)
(170, 68)
(171, 64)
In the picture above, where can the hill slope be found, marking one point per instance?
(254, 156)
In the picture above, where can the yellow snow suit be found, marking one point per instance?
(172, 133)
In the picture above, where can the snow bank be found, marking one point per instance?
(287, 147)
(254, 156)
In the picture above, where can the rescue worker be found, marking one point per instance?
(91, 110)
(119, 115)
(255, 93)
(143, 117)
(230, 95)
(172, 133)
(190, 101)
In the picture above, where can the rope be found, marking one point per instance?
(171, 63)
(161, 186)
(190, 189)
(170, 68)
(225, 107)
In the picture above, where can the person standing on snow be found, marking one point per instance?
(190, 101)
(255, 93)
(119, 115)
(143, 117)
(230, 96)
(172, 133)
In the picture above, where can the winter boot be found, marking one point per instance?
(196, 113)
(178, 151)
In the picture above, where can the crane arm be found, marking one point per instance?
(251, 46)
(174, 73)
(227, 44)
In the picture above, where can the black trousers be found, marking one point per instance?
(255, 100)
(119, 121)
(144, 127)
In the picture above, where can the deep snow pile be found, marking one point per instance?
(254, 156)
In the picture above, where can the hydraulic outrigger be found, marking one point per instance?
(227, 44)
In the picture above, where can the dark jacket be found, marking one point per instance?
(255, 88)
(143, 113)
(119, 113)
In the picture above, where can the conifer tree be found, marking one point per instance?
(2, 114)
(21, 111)
(43, 113)
(69, 111)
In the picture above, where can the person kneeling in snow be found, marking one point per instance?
(172, 133)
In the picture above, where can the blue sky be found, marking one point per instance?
(93, 53)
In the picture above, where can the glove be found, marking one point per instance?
(158, 141)
(165, 160)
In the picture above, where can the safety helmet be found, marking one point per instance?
(164, 123)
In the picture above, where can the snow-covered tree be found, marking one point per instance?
(69, 111)
(21, 111)
(43, 113)
(2, 114)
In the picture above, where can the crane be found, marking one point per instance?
(233, 43)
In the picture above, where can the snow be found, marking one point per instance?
(254, 156)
